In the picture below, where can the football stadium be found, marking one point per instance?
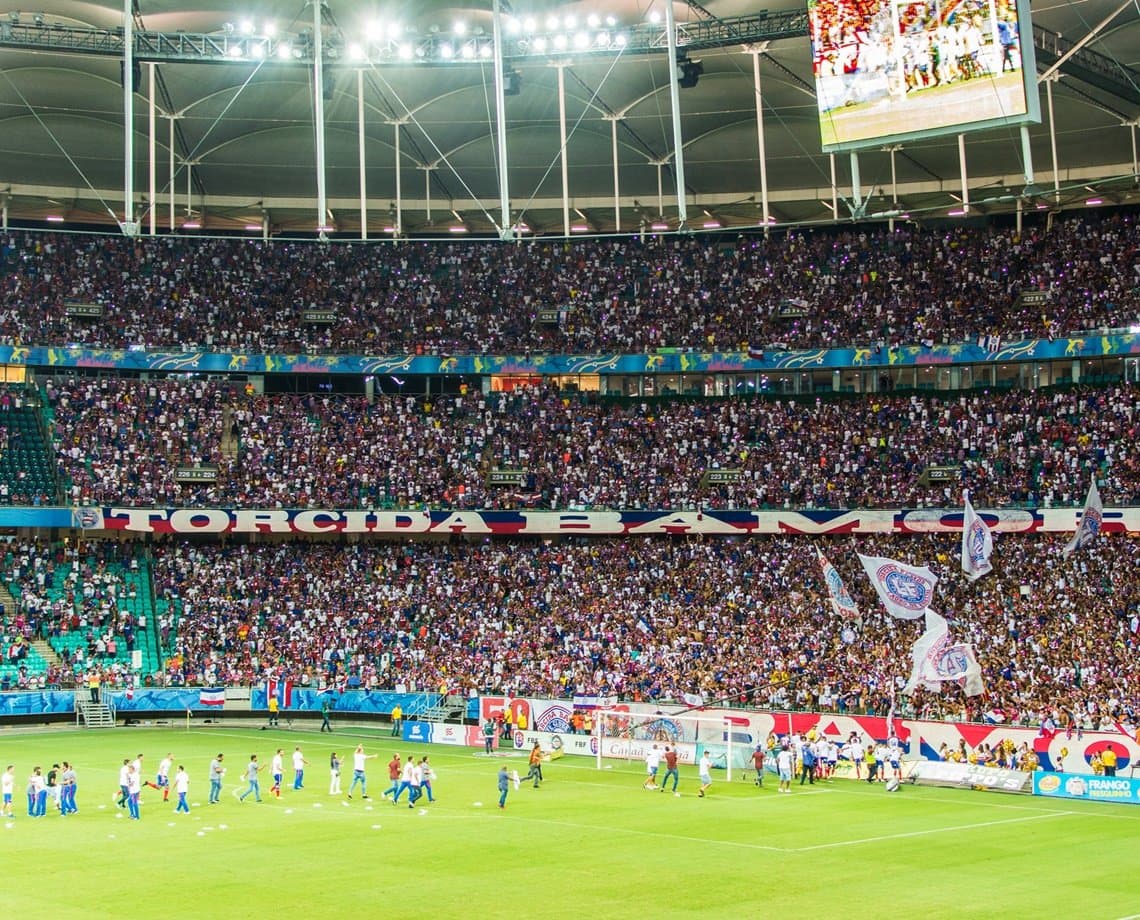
(602, 458)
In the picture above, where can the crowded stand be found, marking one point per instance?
(122, 441)
(740, 620)
(708, 293)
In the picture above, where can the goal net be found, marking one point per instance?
(623, 735)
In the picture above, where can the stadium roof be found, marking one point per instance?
(244, 139)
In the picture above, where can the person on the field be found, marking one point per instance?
(758, 756)
(217, 771)
(359, 759)
(652, 764)
(670, 769)
(298, 769)
(67, 788)
(181, 788)
(37, 793)
(535, 762)
(704, 771)
(134, 790)
(162, 778)
(251, 771)
(334, 774)
(7, 790)
(504, 785)
(427, 774)
(277, 771)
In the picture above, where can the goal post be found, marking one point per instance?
(624, 735)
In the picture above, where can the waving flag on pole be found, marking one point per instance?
(282, 690)
(977, 543)
(905, 590)
(212, 696)
(1089, 526)
(936, 661)
(841, 601)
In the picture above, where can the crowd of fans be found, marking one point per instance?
(743, 620)
(64, 591)
(122, 442)
(724, 293)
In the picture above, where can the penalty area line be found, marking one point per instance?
(925, 833)
(655, 834)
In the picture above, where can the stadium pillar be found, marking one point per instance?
(756, 52)
(170, 185)
(617, 194)
(675, 103)
(319, 114)
(399, 228)
(4, 213)
(1026, 155)
(505, 227)
(152, 170)
(1020, 209)
(427, 168)
(128, 117)
(962, 169)
(562, 149)
(894, 148)
(834, 190)
(856, 183)
(1053, 138)
(360, 153)
(1135, 164)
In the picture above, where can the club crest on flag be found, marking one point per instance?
(905, 588)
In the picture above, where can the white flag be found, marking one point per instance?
(905, 590)
(977, 543)
(936, 661)
(927, 649)
(841, 601)
(1089, 526)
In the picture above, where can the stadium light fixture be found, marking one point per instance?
(540, 44)
(593, 20)
(529, 24)
(1090, 202)
(54, 219)
(270, 29)
(468, 51)
(551, 23)
(579, 228)
(711, 225)
(570, 22)
(257, 50)
(247, 27)
(406, 51)
(460, 27)
(957, 212)
(284, 51)
(582, 40)
(253, 228)
(561, 42)
(620, 40)
(659, 226)
(446, 51)
(458, 228)
(191, 225)
(654, 17)
(234, 50)
(356, 52)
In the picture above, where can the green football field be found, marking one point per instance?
(587, 843)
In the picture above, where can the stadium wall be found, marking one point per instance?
(1056, 751)
(217, 521)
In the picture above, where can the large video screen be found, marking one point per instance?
(893, 70)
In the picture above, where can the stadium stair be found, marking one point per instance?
(95, 715)
(47, 653)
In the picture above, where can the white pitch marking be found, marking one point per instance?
(925, 833)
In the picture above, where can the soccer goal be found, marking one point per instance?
(625, 735)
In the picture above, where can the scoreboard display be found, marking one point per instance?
(896, 70)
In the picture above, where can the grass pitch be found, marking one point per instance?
(588, 843)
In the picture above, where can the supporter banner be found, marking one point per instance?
(1121, 789)
(146, 700)
(1070, 753)
(755, 359)
(596, 523)
(36, 702)
(418, 731)
(370, 701)
(587, 746)
(970, 774)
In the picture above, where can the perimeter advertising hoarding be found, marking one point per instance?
(897, 70)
